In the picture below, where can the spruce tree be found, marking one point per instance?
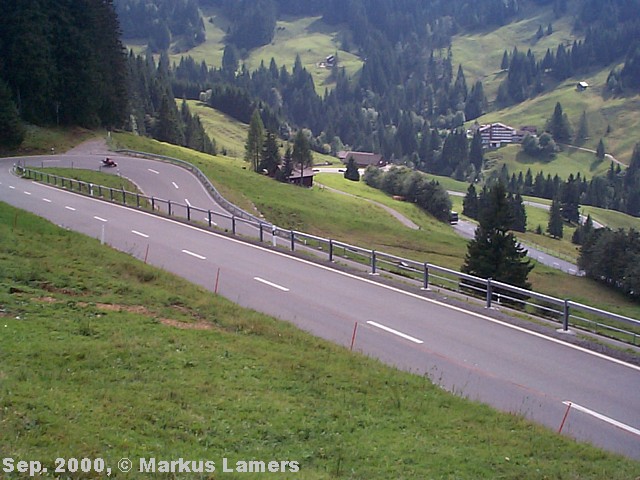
(470, 205)
(476, 154)
(555, 225)
(558, 125)
(495, 252)
(583, 128)
(270, 156)
(255, 141)
(301, 155)
(600, 152)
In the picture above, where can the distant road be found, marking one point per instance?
(466, 229)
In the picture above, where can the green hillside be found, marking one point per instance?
(308, 37)
(480, 54)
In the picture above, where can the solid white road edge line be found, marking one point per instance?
(194, 254)
(101, 219)
(602, 417)
(271, 284)
(366, 280)
(395, 332)
(140, 234)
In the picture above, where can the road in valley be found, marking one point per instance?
(468, 352)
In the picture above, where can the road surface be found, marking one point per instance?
(469, 352)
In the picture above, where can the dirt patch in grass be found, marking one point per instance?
(140, 310)
(186, 326)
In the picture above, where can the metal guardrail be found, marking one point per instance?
(223, 202)
(562, 311)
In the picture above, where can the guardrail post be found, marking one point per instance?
(489, 292)
(124, 197)
(261, 233)
(137, 199)
(330, 250)
(425, 285)
(373, 262)
(188, 213)
(233, 224)
(169, 206)
(209, 217)
(111, 194)
(565, 316)
(153, 203)
(293, 240)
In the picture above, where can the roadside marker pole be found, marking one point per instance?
(102, 235)
(564, 419)
(217, 279)
(353, 337)
(146, 254)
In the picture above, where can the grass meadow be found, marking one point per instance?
(103, 356)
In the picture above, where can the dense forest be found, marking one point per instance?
(62, 62)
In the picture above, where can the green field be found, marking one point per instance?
(103, 356)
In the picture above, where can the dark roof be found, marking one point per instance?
(307, 172)
(364, 158)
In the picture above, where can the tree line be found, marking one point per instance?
(413, 187)
(162, 22)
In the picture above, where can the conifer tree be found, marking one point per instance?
(283, 173)
(555, 224)
(558, 125)
(301, 155)
(476, 154)
(583, 128)
(470, 205)
(495, 252)
(600, 152)
(270, 157)
(255, 141)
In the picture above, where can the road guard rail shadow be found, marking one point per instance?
(565, 312)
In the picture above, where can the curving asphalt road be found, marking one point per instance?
(471, 353)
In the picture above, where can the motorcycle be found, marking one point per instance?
(107, 162)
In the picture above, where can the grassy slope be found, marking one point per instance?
(92, 364)
(480, 53)
(231, 135)
(305, 36)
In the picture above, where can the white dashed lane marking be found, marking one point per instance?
(200, 257)
(271, 284)
(395, 332)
